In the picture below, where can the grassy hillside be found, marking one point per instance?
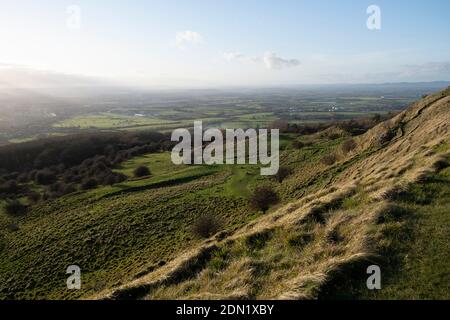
(413, 245)
(361, 209)
(338, 210)
(117, 232)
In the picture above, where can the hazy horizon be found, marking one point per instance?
(184, 44)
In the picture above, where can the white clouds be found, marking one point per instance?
(269, 59)
(272, 61)
(187, 38)
(230, 56)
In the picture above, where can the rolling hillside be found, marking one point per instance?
(304, 249)
(134, 240)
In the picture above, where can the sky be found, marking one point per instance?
(210, 43)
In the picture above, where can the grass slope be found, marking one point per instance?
(413, 247)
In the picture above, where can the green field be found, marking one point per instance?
(110, 121)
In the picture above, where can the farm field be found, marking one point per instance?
(223, 109)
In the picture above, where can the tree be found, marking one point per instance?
(263, 197)
(141, 171)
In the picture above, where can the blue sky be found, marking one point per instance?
(229, 42)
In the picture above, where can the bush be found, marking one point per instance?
(329, 159)
(120, 177)
(45, 177)
(298, 240)
(141, 171)
(33, 197)
(297, 144)
(67, 189)
(14, 207)
(110, 179)
(10, 187)
(206, 225)
(349, 145)
(283, 173)
(114, 178)
(89, 184)
(23, 177)
(263, 197)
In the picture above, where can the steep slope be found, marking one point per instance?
(293, 252)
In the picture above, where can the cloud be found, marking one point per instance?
(21, 76)
(272, 61)
(230, 56)
(186, 38)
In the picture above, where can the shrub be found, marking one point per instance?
(89, 184)
(14, 207)
(297, 144)
(23, 177)
(329, 159)
(283, 173)
(55, 188)
(258, 240)
(10, 187)
(67, 189)
(120, 177)
(388, 134)
(110, 179)
(97, 169)
(206, 225)
(33, 197)
(298, 240)
(349, 145)
(141, 171)
(263, 197)
(45, 177)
